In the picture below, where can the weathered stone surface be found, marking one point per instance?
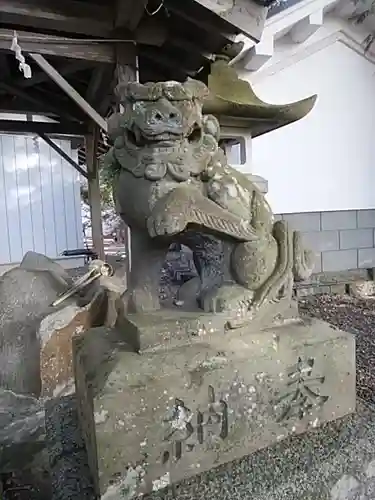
(335, 462)
(363, 288)
(21, 430)
(25, 298)
(56, 332)
(33, 261)
(70, 475)
(170, 413)
(185, 192)
(171, 327)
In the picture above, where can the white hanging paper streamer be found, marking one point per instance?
(23, 66)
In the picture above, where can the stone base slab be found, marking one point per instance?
(158, 417)
(171, 327)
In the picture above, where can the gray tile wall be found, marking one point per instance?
(342, 240)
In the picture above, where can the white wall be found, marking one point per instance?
(326, 161)
(39, 199)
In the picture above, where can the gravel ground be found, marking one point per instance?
(70, 476)
(356, 316)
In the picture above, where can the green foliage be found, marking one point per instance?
(109, 169)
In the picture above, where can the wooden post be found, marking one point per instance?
(94, 191)
(126, 71)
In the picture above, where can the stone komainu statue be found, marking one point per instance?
(173, 184)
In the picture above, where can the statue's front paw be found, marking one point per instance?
(229, 298)
(165, 224)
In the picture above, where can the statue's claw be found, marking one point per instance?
(211, 302)
(165, 224)
(228, 298)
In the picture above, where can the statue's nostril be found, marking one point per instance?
(172, 116)
(158, 116)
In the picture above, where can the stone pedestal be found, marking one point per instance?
(154, 418)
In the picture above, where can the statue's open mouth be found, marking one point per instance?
(137, 138)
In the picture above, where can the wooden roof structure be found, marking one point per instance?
(78, 51)
(82, 39)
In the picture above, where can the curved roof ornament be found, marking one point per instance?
(234, 102)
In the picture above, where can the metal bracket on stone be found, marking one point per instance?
(97, 269)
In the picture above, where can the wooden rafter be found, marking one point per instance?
(166, 61)
(58, 46)
(129, 13)
(191, 47)
(63, 155)
(184, 11)
(19, 106)
(4, 64)
(38, 99)
(100, 88)
(58, 128)
(69, 90)
(95, 82)
(38, 78)
(66, 15)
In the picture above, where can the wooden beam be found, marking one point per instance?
(129, 13)
(172, 64)
(62, 153)
(126, 64)
(190, 15)
(19, 106)
(246, 15)
(100, 90)
(73, 16)
(38, 99)
(94, 191)
(14, 104)
(69, 90)
(58, 46)
(95, 82)
(150, 31)
(4, 64)
(191, 47)
(67, 15)
(68, 69)
(58, 128)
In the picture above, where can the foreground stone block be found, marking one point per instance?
(56, 332)
(25, 299)
(164, 415)
(173, 327)
(33, 261)
(334, 462)
(21, 430)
